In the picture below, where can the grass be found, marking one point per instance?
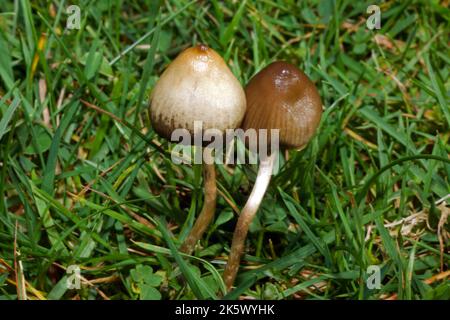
(85, 181)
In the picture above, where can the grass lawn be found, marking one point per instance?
(86, 184)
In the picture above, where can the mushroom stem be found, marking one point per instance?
(246, 217)
(209, 204)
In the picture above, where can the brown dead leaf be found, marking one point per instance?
(443, 235)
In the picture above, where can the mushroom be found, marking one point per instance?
(197, 87)
(278, 97)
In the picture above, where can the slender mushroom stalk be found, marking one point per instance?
(246, 217)
(196, 87)
(209, 206)
(279, 97)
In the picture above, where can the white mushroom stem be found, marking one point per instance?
(246, 217)
(209, 205)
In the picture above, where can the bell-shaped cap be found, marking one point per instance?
(197, 86)
(282, 97)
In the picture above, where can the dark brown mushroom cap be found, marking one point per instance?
(282, 97)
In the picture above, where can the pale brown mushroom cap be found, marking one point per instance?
(282, 97)
(197, 86)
